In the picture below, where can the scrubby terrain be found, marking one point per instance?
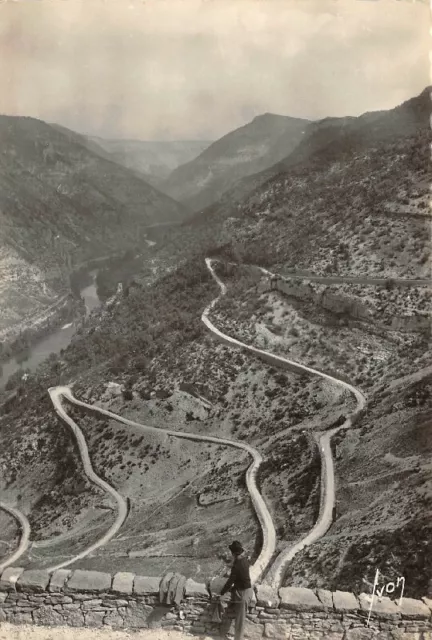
(242, 152)
(383, 464)
(61, 204)
(384, 497)
(352, 199)
(242, 400)
(353, 203)
(359, 347)
(277, 412)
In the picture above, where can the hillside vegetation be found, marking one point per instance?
(61, 204)
(334, 140)
(251, 148)
(347, 209)
(384, 497)
(153, 344)
(355, 202)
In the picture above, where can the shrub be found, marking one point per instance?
(127, 394)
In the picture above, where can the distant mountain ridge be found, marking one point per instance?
(331, 137)
(334, 139)
(152, 159)
(351, 198)
(249, 149)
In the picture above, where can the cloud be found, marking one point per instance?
(199, 68)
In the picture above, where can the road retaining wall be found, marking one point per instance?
(344, 305)
(128, 601)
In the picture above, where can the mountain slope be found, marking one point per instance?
(153, 160)
(334, 139)
(331, 138)
(79, 138)
(363, 210)
(102, 148)
(61, 204)
(384, 498)
(251, 148)
(356, 205)
(154, 342)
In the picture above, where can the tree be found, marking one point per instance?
(390, 284)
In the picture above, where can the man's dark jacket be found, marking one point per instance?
(239, 576)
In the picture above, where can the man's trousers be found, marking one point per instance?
(237, 609)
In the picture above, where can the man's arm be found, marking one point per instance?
(229, 583)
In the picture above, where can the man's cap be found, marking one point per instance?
(236, 547)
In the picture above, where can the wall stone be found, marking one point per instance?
(58, 579)
(299, 599)
(128, 601)
(123, 582)
(338, 304)
(89, 581)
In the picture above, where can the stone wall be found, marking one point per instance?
(125, 600)
(343, 305)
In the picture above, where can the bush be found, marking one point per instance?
(127, 394)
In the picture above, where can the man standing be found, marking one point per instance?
(239, 584)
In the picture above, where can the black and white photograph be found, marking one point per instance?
(215, 320)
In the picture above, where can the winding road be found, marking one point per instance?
(25, 535)
(263, 514)
(55, 394)
(275, 574)
(376, 282)
(342, 279)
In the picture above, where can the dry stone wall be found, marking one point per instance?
(343, 305)
(125, 600)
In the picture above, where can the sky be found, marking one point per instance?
(196, 69)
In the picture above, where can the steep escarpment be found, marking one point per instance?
(328, 139)
(386, 306)
(330, 142)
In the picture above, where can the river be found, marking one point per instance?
(53, 343)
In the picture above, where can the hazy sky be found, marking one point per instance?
(189, 69)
